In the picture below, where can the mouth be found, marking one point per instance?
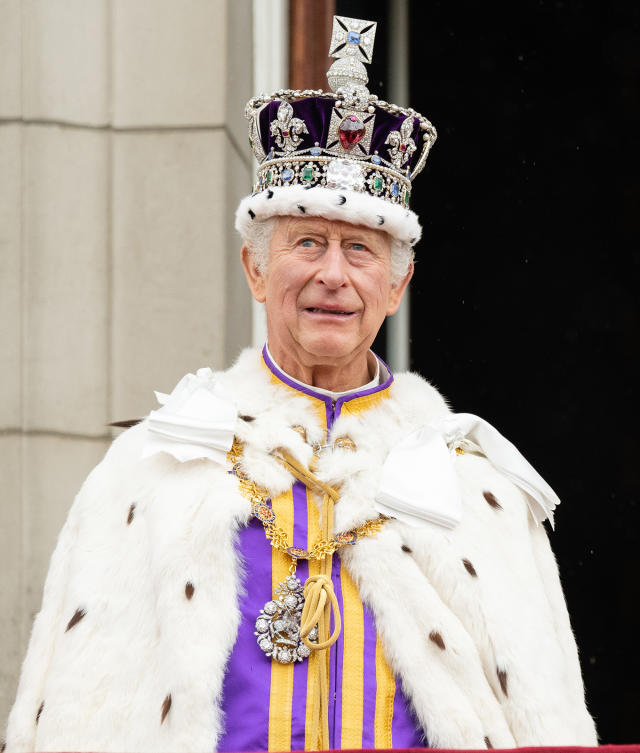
(329, 312)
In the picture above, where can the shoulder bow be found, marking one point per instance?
(197, 420)
(419, 483)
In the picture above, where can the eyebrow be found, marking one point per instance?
(364, 236)
(303, 228)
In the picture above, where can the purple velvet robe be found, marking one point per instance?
(379, 713)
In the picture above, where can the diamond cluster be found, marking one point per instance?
(278, 624)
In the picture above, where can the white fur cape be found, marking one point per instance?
(140, 608)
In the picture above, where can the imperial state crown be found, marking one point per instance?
(347, 145)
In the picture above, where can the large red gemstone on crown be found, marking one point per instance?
(350, 131)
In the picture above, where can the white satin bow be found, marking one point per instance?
(197, 420)
(419, 484)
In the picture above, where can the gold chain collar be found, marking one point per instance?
(261, 509)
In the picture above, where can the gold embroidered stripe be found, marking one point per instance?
(313, 688)
(281, 694)
(385, 693)
(352, 663)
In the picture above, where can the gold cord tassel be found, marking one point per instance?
(319, 601)
(322, 600)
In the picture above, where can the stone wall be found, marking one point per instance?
(123, 154)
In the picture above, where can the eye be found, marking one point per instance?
(358, 247)
(307, 243)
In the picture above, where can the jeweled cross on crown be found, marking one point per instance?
(352, 36)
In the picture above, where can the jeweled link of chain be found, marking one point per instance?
(322, 548)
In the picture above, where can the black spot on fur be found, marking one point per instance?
(469, 568)
(405, 548)
(189, 589)
(269, 194)
(435, 636)
(166, 705)
(79, 614)
(413, 240)
(252, 214)
(125, 424)
(248, 419)
(131, 513)
(342, 199)
(380, 220)
(491, 500)
(502, 676)
(301, 208)
(487, 742)
(39, 714)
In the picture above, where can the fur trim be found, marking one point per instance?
(106, 680)
(333, 204)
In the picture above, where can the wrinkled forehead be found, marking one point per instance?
(289, 227)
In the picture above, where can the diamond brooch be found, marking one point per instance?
(278, 624)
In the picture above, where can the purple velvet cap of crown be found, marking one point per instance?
(316, 112)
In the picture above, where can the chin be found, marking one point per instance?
(329, 346)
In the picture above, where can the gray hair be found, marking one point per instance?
(258, 237)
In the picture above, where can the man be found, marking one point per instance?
(303, 552)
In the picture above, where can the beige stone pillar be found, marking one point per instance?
(123, 154)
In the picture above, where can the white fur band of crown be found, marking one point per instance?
(333, 204)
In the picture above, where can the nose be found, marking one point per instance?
(333, 269)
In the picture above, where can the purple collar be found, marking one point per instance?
(332, 407)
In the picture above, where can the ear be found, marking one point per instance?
(397, 291)
(255, 279)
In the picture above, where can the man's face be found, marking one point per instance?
(327, 288)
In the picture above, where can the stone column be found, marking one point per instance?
(123, 154)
